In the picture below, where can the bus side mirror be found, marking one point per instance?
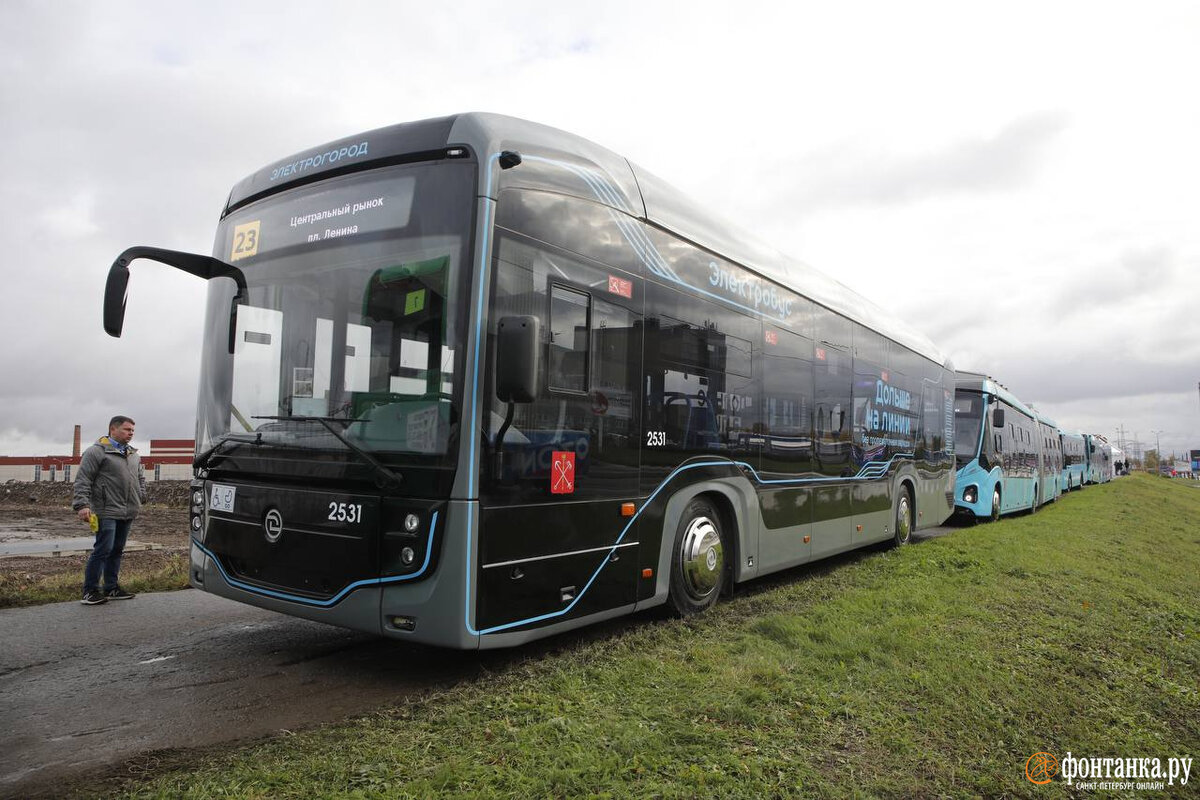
(998, 418)
(114, 299)
(517, 343)
(205, 267)
(239, 299)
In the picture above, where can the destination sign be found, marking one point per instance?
(351, 210)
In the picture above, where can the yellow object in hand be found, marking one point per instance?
(94, 523)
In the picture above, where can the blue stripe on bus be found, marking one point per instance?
(870, 471)
(604, 192)
(653, 260)
(625, 530)
(337, 598)
(472, 463)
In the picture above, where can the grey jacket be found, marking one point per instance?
(110, 484)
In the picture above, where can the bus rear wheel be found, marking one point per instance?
(698, 565)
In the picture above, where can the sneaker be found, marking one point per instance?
(93, 599)
(117, 593)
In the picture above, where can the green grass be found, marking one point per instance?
(933, 670)
(138, 575)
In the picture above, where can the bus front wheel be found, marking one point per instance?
(904, 518)
(995, 515)
(698, 564)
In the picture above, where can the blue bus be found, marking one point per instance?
(1074, 460)
(1098, 466)
(474, 381)
(1051, 464)
(998, 450)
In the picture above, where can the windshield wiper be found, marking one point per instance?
(388, 474)
(201, 461)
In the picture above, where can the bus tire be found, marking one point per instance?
(698, 560)
(995, 515)
(904, 518)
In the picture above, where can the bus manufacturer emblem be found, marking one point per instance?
(273, 525)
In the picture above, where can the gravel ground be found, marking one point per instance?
(31, 511)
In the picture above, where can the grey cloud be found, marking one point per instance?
(1134, 273)
(843, 176)
(1080, 374)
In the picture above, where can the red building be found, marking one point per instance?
(167, 459)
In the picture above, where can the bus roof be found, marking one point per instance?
(978, 382)
(623, 186)
(1045, 420)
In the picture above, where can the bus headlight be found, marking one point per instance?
(971, 494)
(196, 489)
(411, 523)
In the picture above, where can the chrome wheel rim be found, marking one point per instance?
(903, 520)
(701, 557)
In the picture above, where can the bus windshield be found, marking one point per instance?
(351, 314)
(968, 415)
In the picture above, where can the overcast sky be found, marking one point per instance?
(1019, 180)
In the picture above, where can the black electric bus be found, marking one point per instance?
(473, 381)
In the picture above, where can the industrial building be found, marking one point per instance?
(167, 460)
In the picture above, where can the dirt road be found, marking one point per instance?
(84, 689)
(31, 512)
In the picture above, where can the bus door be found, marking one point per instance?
(553, 542)
(833, 378)
(785, 447)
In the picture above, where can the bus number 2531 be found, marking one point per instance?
(345, 512)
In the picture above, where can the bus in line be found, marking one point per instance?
(1050, 466)
(1074, 451)
(1001, 451)
(1098, 462)
(473, 381)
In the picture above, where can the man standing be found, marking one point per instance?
(110, 485)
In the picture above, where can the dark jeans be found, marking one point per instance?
(106, 554)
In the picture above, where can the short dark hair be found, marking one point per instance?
(118, 421)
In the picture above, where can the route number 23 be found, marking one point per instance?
(245, 240)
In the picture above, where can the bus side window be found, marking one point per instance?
(786, 417)
(570, 335)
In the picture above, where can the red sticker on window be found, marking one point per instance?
(562, 473)
(820, 354)
(619, 286)
(772, 337)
